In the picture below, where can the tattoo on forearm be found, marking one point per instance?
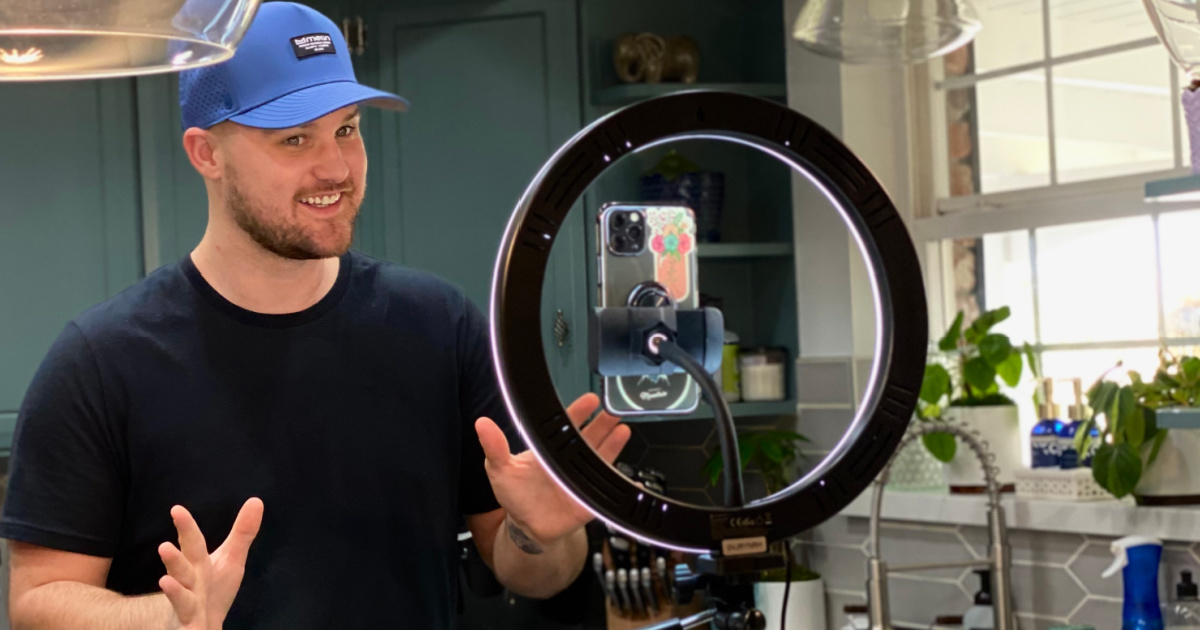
(521, 539)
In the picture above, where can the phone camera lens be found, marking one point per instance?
(618, 220)
(635, 233)
(620, 243)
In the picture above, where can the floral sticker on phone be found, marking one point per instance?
(672, 236)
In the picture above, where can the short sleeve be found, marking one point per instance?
(65, 488)
(479, 396)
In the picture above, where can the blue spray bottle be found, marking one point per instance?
(1137, 558)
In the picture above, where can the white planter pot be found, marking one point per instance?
(1174, 478)
(1000, 427)
(806, 604)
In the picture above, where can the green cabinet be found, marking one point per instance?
(69, 220)
(174, 202)
(494, 91)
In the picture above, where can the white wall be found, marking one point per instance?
(822, 263)
(865, 106)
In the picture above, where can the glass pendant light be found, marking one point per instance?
(1177, 23)
(92, 39)
(885, 31)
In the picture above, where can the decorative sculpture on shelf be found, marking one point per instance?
(650, 58)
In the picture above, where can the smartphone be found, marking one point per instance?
(647, 257)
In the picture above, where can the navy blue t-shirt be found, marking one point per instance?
(353, 420)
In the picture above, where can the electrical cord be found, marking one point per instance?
(735, 496)
(787, 584)
(734, 493)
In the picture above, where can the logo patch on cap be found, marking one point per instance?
(312, 44)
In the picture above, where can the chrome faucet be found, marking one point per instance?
(999, 558)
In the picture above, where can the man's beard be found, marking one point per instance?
(282, 239)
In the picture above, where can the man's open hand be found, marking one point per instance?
(200, 586)
(527, 492)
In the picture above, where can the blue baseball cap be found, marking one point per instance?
(291, 67)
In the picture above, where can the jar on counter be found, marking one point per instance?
(763, 373)
(731, 375)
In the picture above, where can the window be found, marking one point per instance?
(1058, 91)
(1086, 287)
(1045, 130)
(1087, 295)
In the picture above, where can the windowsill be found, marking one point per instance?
(1101, 518)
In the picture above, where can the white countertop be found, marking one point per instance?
(1103, 518)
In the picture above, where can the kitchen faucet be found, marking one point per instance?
(999, 558)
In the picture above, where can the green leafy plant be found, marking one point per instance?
(775, 454)
(979, 356)
(1034, 360)
(934, 397)
(1131, 439)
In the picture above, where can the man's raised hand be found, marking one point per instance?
(201, 586)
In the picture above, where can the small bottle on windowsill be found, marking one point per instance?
(1044, 440)
(1068, 456)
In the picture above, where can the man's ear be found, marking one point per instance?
(202, 147)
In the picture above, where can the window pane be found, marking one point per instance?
(1011, 34)
(1088, 365)
(1096, 281)
(1190, 351)
(1009, 126)
(1079, 25)
(1177, 233)
(1112, 115)
(1008, 281)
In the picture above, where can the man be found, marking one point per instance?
(324, 414)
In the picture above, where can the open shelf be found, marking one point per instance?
(738, 409)
(743, 250)
(633, 92)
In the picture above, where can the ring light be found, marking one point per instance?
(899, 300)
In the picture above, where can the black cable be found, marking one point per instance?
(735, 496)
(787, 583)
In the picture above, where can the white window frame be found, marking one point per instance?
(948, 218)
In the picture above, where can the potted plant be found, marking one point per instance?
(806, 596)
(775, 454)
(1135, 454)
(981, 359)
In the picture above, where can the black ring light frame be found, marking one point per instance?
(893, 268)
